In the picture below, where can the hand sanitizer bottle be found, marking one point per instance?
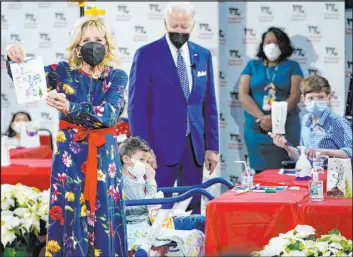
(247, 177)
(316, 188)
(303, 166)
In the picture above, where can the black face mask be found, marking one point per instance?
(93, 53)
(178, 39)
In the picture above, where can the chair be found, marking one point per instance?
(168, 203)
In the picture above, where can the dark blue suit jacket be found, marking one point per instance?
(157, 106)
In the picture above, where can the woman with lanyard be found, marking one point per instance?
(271, 77)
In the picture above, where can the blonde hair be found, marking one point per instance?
(78, 32)
(315, 84)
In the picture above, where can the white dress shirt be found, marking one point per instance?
(186, 55)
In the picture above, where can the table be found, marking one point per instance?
(271, 177)
(41, 152)
(242, 223)
(29, 172)
(327, 215)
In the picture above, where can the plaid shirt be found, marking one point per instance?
(331, 131)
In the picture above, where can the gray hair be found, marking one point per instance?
(186, 6)
(132, 145)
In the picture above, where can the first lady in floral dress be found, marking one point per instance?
(86, 210)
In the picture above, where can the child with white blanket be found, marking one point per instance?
(138, 179)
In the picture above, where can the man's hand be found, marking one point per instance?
(265, 122)
(153, 160)
(150, 172)
(211, 160)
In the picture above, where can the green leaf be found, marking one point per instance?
(312, 237)
(9, 252)
(295, 246)
(105, 226)
(103, 218)
(68, 208)
(295, 232)
(324, 239)
(334, 231)
(117, 214)
(106, 231)
(69, 180)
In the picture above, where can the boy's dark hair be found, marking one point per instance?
(284, 44)
(315, 84)
(131, 145)
(10, 132)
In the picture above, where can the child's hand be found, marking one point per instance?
(150, 172)
(280, 141)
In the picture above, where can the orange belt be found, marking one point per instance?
(95, 139)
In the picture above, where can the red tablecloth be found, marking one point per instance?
(242, 223)
(29, 172)
(271, 177)
(42, 152)
(327, 215)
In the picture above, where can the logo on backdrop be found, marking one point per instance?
(331, 11)
(331, 55)
(234, 179)
(3, 61)
(15, 38)
(124, 55)
(44, 40)
(235, 58)
(234, 15)
(234, 100)
(235, 141)
(223, 162)
(313, 71)
(266, 14)
(222, 120)
(123, 13)
(155, 12)
(299, 55)
(222, 79)
(314, 33)
(4, 24)
(298, 13)
(30, 21)
(44, 5)
(5, 102)
(205, 31)
(222, 37)
(250, 36)
(45, 116)
(60, 20)
(60, 56)
(29, 54)
(349, 65)
(348, 25)
(140, 33)
(13, 6)
(334, 99)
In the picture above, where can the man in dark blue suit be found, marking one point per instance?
(172, 102)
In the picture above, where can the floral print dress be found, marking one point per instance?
(73, 229)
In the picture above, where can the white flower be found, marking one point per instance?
(7, 203)
(322, 246)
(275, 246)
(304, 231)
(7, 237)
(295, 253)
(101, 176)
(336, 246)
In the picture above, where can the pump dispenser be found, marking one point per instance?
(316, 188)
(303, 166)
(247, 176)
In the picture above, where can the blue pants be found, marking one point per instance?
(187, 172)
(190, 222)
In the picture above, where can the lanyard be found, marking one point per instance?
(273, 76)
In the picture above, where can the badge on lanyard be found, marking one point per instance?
(269, 92)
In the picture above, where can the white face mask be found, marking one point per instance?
(272, 51)
(17, 126)
(138, 170)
